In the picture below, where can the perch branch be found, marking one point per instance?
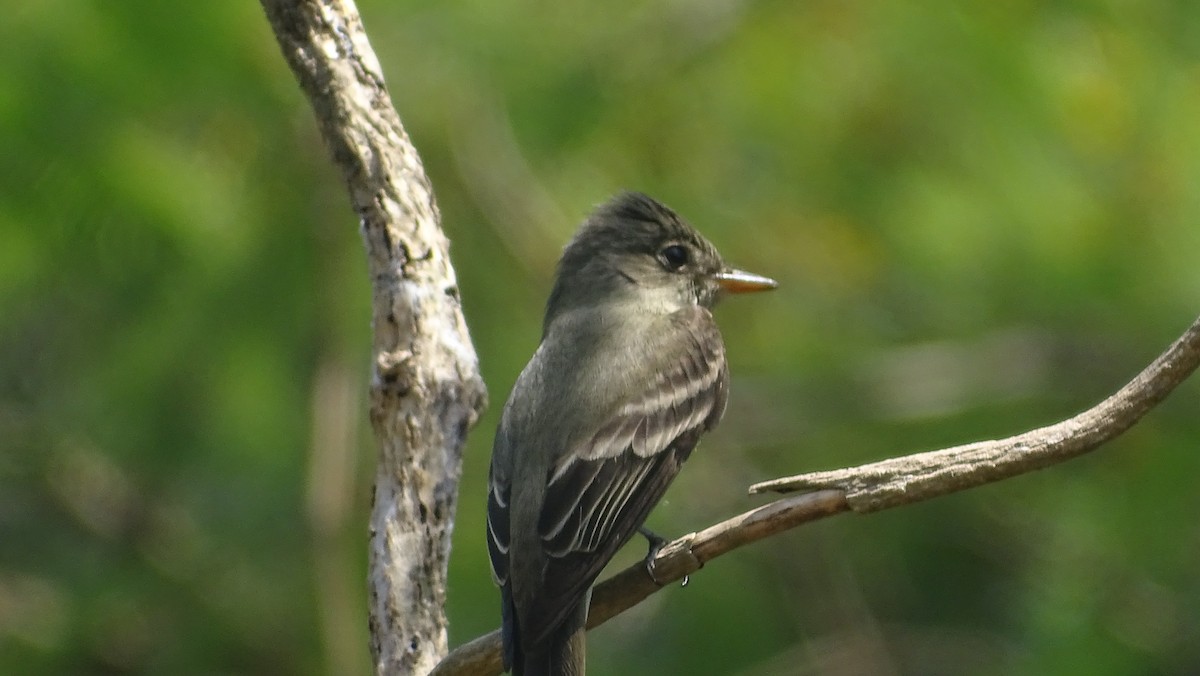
(873, 487)
(921, 476)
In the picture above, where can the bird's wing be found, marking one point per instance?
(499, 492)
(600, 493)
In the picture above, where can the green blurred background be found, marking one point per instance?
(984, 217)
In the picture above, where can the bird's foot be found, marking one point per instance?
(656, 542)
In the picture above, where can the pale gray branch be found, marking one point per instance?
(425, 388)
(872, 487)
(913, 478)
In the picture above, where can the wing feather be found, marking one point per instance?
(602, 491)
(497, 529)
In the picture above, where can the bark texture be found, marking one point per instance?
(426, 391)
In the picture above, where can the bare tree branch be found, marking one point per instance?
(425, 388)
(913, 478)
(867, 488)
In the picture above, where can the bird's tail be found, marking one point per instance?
(564, 650)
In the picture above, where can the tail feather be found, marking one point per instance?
(509, 632)
(564, 652)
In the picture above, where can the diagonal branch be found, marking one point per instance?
(913, 478)
(872, 487)
(426, 389)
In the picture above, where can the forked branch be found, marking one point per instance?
(872, 487)
(424, 364)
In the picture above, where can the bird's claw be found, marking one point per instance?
(656, 542)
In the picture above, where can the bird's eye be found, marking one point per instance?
(674, 257)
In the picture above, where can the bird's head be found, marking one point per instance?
(635, 249)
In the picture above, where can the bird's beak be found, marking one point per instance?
(740, 281)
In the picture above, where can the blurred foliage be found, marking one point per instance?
(984, 217)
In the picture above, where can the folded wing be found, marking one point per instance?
(601, 492)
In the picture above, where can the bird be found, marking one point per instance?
(629, 374)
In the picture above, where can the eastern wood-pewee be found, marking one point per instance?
(630, 373)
